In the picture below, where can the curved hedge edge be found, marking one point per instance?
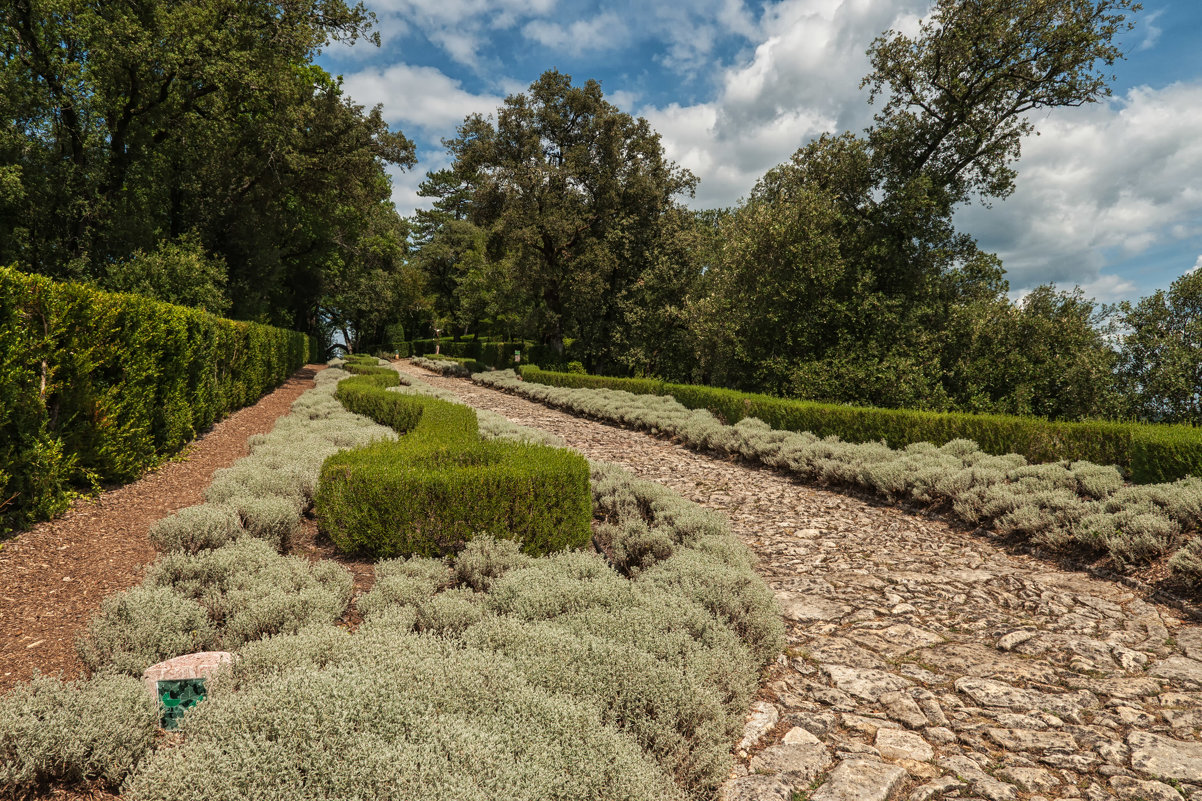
(1150, 453)
(492, 425)
(1062, 506)
(436, 488)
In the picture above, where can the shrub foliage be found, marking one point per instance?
(1058, 504)
(439, 485)
(1149, 453)
(95, 387)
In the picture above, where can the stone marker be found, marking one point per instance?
(178, 684)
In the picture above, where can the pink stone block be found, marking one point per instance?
(188, 666)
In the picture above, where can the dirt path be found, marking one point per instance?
(53, 577)
(926, 662)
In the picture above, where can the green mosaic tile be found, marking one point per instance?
(177, 696)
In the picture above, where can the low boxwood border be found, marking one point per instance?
(437, 487)
(1148, 453)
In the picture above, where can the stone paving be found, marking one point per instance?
(925, 662)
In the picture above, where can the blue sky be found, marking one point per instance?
(1109, 195)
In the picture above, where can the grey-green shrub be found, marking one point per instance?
(404, 582)
(76, 734)
(493, 675)
(142, 626)
(674, 718)
(408, 717)
(274, 520)
(1060, 505)
(443, 367)
(1187, 562)
(218, 598)
(485, 560)
(196, 528)
(249, 590)
(449, 612)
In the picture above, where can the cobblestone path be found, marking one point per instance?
(925, 662)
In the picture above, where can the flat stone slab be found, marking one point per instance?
(761, 720)
(895, 744)
(800, 607)
(1164, 757)
(989, 692)
(189, 666)
(1027, 740)
(864, 682)
(1179, 668)
(756, 788)
(860, 780)
(799, 764)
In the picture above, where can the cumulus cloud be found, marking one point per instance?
(459, 27)
(421, 97)
(802, 79)
(1152, 31)
(1100, 183)
(604, 31)
(1197, 266)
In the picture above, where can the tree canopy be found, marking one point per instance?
(127, 125)
(571, 190)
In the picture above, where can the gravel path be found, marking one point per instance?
(925, 662)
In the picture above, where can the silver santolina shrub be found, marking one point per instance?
(77, 734)
(219, 598)
(1059, 505)
(443, 367)
(623, 673)
(138, 627)
(399, 715)
(264, 495)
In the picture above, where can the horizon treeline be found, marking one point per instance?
(193, 152)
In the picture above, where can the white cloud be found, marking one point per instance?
(602, 32)
(1152, 31)
(421, 97)
(801, 80)
(1105, 182)
(1197, 266)
(1102, 182)
(1109, 288)
(460, 27)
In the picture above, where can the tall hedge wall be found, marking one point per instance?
(1148, 453)
(95, 386)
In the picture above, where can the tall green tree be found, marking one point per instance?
(1161, 354)
(842, 271)
(572, 190)
(131, 123)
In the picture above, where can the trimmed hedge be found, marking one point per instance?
(471, 365)
(1148, 453)
(96, 387)
(432, 491)
(494, 354)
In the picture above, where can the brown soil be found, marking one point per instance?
(316, 546)
(53, 577)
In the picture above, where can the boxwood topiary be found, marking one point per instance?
(438, 486)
